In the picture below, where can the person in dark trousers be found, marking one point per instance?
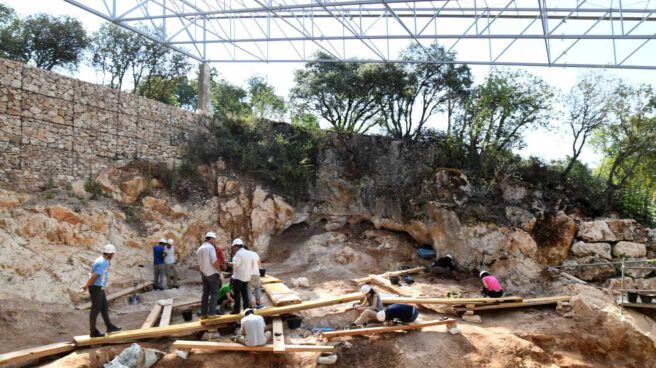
(96, 285)
(491, 285)
(445, 267)
(159, 268)
(241, 274)
(400, 312)
(209, 267)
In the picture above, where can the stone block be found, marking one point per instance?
(10, 128)
(46, 161)
(95, 95)
(10, 73)
(93, 142)
(153, 110)
(582, 249)
(94, 118)
(10, 100)
(629, 249)
(89, 164)
(40, 107)
(596, 231)
(598, 273)
(46, 134)
(128, 126)
(128, 104)
(127, 147)
(183, 119)
(48, 83)
(10, 155)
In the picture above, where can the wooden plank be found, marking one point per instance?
(269, 280)
(229, 346)
(377, 330)
(449, 301)
(278, 336)
(280, 294)
(118, 294)
(527, 303)
(410, 271)
(278, 311)
(36, 353)
(639, 305)
(166, 313)
(152, 316)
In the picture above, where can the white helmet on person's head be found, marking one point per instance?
(237, 242)
(210, 234)
(163, 241)
(365, 289)
(483, 273)
(169, 241)
(248, 311)
(109, 249)
(380, 316)
(449, 256)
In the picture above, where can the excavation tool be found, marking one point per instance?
(134, 298)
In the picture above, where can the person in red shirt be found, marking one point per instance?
(220, 256)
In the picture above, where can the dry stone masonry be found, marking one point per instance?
(52, 126)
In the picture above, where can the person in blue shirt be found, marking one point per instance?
(402, 312)
(96, 285)
(159, 267)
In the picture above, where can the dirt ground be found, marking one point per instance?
(535, 337)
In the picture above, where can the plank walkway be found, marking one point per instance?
(377, 330)
(525, 303)
(229, 346)
(280, 294)
(36, 353)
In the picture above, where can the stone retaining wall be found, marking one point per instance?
(64, 128)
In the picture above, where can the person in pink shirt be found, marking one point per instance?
(491, 285)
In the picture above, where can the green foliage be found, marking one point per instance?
(186, 93)
(229, 100)
(264, 102)
(280, 155)
(93, 187)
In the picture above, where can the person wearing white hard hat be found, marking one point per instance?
(491, 285)
(252, 330)
(96, 285)
(445, 267)
(242, 261)
(371, 305)
(159, 268)
(209, 266)
(169, 262)
(397, 312)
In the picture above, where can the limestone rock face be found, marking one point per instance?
(554, 236)
(133, 188)
(596, 273)
(520, 218)
(608, 230)
(582, 249)
(629, 249)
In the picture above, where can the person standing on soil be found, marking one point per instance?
(159, 268)
(446, 267)
(369, 307)
(241, 274)
(169, 261)
(491, 285)
(400, 312)
(209, 266)
(96, 285)
(254, 284)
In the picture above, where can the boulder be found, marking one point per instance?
(9, 199)
(591, 273)
(644, 270)
(616, 283)
(645, 284)
(554, 236)
(596, 231)
(582, 249)
(77, 187)
(629, 249)
(520, 218)
(133, 188)
(61, 213)
(624, 229)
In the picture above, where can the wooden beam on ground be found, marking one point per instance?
(639, 305)
(386, 284)
(118, 294)
(449, 301)
(526, 303)
(228, 346)
(35, 353)
(278, 311)
(390, 273)
(377, 330)
(278, 336)
(152, 316)
(166, 312)
(280, 294)
(269, 280)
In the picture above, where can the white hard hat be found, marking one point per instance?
(170, 242)
(449, 256)
(248, 311)
(483, 273)
(162, 241)
(237, 242)
(380, 316)
(109, 249)
(210, 234)
(365, 289)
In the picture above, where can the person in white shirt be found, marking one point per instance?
(254, 287)
(252, 330)
(169, 261)
(241, 274)
(209, 266)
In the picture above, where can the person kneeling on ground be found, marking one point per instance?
(401, 312)
(491, 285)
(369, 307)
(226, 298)
(252, 330)
(445, 266)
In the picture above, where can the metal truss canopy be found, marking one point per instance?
(560, 33)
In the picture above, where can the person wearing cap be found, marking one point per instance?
(96, 284)
(491, 285)
(446, 267)
(159, 268)
(397, 312)
(169, 262)
(369, 307)
(209, 266)
(242, 261)
(252, 330)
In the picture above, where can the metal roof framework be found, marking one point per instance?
(558, 33)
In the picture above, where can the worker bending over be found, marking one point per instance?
(491, 285)
(445, 267)
(397, 312)
(252, 330)
(369, 307)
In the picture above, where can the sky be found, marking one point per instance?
(548, 145)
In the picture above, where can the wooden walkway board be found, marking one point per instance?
(410, 271)
(281, 295)
(118, 294)
(166, 313)
(152, 316)
(269, 280)
(526, 303)
(278, 336)
(450, 301)
(36, 353)
(208, 345)
(377, 330)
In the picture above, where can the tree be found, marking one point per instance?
(186, 93)
(413, 92)
(627, 141)
(229, 100)
(498, 111)
(340, 92)
(588, 105)
(263, 99)
(162, 87)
